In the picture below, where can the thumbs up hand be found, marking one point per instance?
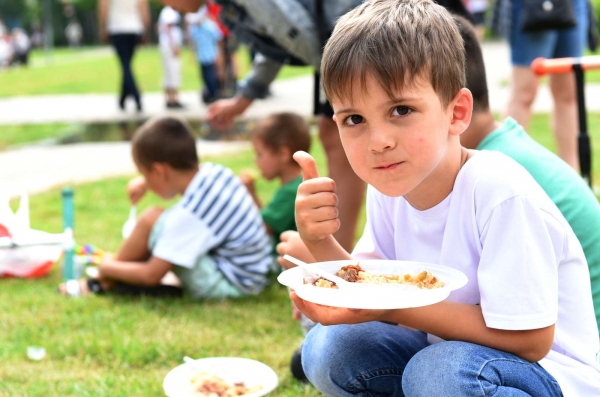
(316, 202)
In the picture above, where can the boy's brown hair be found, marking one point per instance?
(283, 130)
(395, 41)
(165, 140)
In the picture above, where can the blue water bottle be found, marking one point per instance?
(69, 270)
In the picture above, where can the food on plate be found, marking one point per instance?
(205, 384)
(356, 274)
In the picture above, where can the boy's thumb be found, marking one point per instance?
(308, 165)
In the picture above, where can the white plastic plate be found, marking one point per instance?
(177, 383)
(376, 296)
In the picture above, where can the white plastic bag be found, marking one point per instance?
(24, 252)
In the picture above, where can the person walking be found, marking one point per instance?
(124, 22)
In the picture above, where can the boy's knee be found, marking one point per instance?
(329, 352)
(150, 216)
(441, 366)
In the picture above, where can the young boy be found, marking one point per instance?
(524, 324)
(275, 139)
(170, 39)
(213, 239)
(205, 37)
(564, 186)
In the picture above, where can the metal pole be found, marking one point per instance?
(584, 147)
(48, 30)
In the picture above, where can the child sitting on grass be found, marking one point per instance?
(213, 239)
(394, 72)
(275, 139)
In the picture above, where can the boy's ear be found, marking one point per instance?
(159, 169)
(461, 109)
(285, 153)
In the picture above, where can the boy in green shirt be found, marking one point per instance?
(561, 183)
(275, 139)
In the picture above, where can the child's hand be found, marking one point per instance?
(291, 244)
(136, 188)
(329, 315)
(296, 314)
(316, 202)
(248, 179)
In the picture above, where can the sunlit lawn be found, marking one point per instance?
(114, 346)
(96, 70)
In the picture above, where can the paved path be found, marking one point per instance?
(39, 168)
(288, 95)
(42, 167)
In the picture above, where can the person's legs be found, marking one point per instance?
(350, 188)
(135, 247)
(524, 48)
(211, 81)
(570, 43)
(363, 359)
(130, 42)
(564, 117)
(117, 42)
(523, 90)
(466, 369)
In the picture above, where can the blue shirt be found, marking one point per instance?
(206, 37)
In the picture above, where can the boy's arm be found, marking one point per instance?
(317, 213)
(441, 320)
(145, 274)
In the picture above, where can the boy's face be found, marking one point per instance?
(394, 144)
(268, 161)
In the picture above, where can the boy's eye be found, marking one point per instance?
(401, 111)
(354, 119)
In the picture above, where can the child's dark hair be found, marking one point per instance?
(165, 140)
(475, 67)
(283, 129)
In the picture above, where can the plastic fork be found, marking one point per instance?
(341, 283)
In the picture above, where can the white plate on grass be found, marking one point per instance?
(376, 296)
(177, 383)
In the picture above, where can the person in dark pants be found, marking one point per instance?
(205, 37)
(124, 22)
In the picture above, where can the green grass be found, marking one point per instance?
(87, 71)
(114, 346)
(19, 134)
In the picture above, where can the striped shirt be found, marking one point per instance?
(216, 217)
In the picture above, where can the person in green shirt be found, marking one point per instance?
(275, 139)
(563, 185)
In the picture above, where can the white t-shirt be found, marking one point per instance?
(124, 17)
(169, 32)
(525, 265)
(216, 217)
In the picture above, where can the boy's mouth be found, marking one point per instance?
(388, 166)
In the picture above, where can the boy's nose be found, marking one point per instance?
(380, 141)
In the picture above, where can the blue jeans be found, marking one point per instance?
(211, 81)
(561, 43)
(378, 359)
